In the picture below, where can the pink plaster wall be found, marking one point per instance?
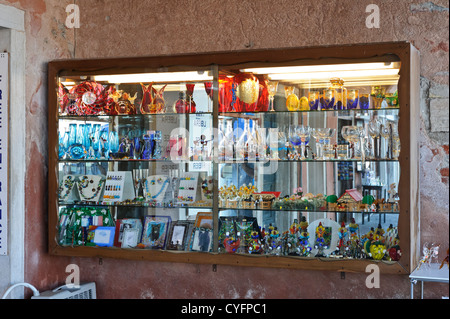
(118, 28)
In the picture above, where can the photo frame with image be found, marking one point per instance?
(104, 236)
(156, 229)
(130, 237)
(179, 235)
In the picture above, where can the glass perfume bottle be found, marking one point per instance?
(181, 104)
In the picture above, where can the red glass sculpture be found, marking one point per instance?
(147, 99)
(247, 92)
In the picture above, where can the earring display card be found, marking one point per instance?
(118, 187)
(155, 231)
(67, 191)
(187, 188)
(90, 187)
(207, 189)
(156, 187)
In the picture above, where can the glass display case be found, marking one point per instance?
(271, 158)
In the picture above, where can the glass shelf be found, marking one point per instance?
(308, 210)
(397, 109)
(105, 117)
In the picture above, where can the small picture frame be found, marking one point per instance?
(155, 231)
(130, 238)
(202, 240)
(104, 236)
(178, 235)
(203, 219)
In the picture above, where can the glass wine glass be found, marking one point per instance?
(319, 134)
(328, 135)
(272, 87)
(385, 133)
(304, 133)
(373, 129)
(295, 140)
(351, 135)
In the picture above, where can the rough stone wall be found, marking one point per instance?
(122, 28)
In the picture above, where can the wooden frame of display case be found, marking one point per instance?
(408, 188)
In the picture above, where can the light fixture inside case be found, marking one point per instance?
(165, 77)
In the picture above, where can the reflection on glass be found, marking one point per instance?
(385, 133)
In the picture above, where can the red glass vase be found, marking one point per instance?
(225, 93)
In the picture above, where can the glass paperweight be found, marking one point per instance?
(292, 101)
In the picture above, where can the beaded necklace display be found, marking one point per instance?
(67, 184)
(85, 183)
(153, 182)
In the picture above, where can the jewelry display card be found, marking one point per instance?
(67, 190)
(156, 187)
(90, 187)
(155, 231)
(118, 187)
(187, 188)
(207, 189)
